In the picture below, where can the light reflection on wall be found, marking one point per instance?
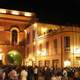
(1, 56)
(67, 63)
(75, 50)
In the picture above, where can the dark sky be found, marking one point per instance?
(49, 11)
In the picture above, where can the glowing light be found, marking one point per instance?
(40, 41)
(15, 12)
(11, 55)
(35, 25)
(38, 52)
(43, 30)
(75, 50)
(27, 14)
(67, 63)
(42, 53)
(29, 63)
(2, 10)
(30, 60)
(13, 52)
(1, 56)
(25, 31)
(34, 42)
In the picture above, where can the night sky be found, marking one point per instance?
(48, 11)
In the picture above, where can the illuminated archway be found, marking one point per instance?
(14, 34)
(14, 57)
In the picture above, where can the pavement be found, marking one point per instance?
(41, 78)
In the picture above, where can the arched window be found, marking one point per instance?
(14, 36)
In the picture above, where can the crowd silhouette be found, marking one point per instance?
(18, 72)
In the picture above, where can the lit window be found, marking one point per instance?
(27, 14)
(15, 12)
(2, 10)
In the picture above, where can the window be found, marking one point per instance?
(33, 34)
(55, 63)
(67, 41)
(67, 44)
(28, 51)
(34, 49)
(47, 47)
(14, 36)
(28, 37)
(55, 45)
(40, 47)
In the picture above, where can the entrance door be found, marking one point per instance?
(14, 57)
(55, 63)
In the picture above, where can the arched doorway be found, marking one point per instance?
(14, 57)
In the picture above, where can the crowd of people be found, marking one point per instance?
(13, 72)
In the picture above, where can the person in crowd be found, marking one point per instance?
(1, 74)
(76, 75)
(52, 71)
(65, 75)
(13, 75)
(47, 73)
(24, 73)
(36, 73)
(30, 73)
(4, 75)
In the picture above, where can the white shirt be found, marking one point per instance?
(24, 75)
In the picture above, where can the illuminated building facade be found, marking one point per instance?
(56, 45)
(13, 25)
(24, 41)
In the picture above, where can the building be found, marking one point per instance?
(55, 45)
(13, 25)
(25, 41)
